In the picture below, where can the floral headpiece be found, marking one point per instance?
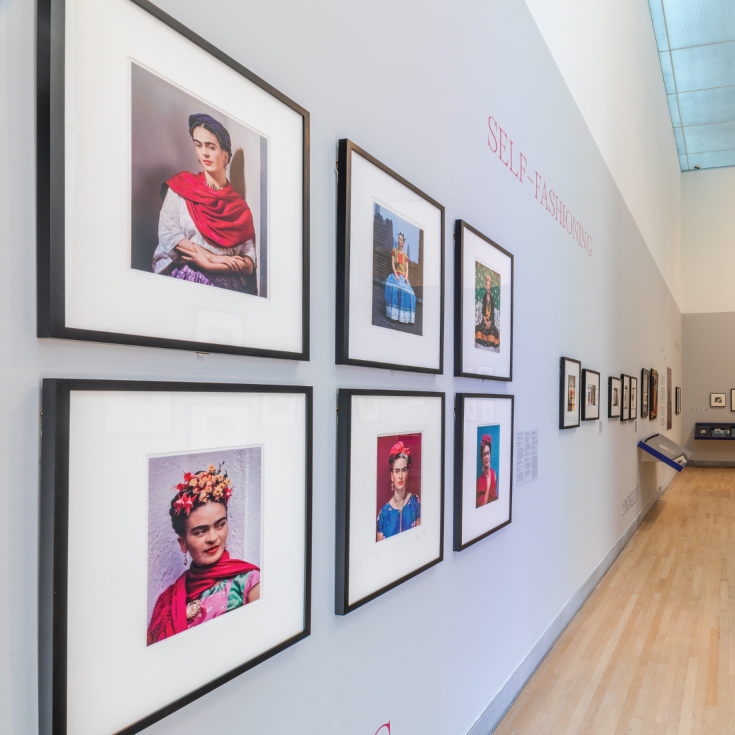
(201, 487)
(400, 234)
(486, 440)
(397, 449)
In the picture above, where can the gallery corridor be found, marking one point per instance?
(653, 648)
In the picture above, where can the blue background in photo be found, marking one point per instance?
(494, 432)
(411, 233)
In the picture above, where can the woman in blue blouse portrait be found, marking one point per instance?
(403, 510)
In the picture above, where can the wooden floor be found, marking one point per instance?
(653, 649)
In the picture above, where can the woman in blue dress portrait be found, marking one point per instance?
(400, 300)
(403, 510)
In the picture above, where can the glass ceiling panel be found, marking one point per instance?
(696, 44)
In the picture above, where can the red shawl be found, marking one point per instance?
(169, 613)
(222, 217)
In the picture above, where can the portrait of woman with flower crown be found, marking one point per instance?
(399, 484)
(210, 582)
(487, 464)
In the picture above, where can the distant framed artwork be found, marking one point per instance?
(732, 399)
(390, 268)
(625, 400)
(717, 400)
(483, 306)
(653, 395)
(591, 393)
(633, 397)
(614, 397)
(483, 466)
(645, 390)
(205, 206)
(205, 549)
(678, 400)
(390, 491)
(570, 385)
(669, 402)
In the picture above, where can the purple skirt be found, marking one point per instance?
(187, 273)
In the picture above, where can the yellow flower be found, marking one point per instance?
(211, 468)
(218, 492)
(227, 480)
(194, 482)
(218, 478)
(203, 496)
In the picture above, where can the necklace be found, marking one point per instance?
(213, 187)
(400, 510)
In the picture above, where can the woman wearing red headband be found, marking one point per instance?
(487, 482)
(214, 584)
(403, 510)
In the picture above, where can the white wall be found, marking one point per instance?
(708, 235)
(414, 84)
(606, 51)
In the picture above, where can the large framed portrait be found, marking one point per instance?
(625, 405)
(570, 383)
(633, 397)
(167, 534)
(591, 393)
(390, 268)
(483, 306)
(645, 389)
(390, 491)
(483, 466)
(173, 188)
(653, 394)
(614, 397)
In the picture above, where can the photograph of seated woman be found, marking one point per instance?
(214, 584)
(487, 482)
(400, 300)
(205, 230)
(487, 336)
(403, 510)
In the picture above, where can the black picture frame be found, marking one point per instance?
(459, 371)
(653, 395)
(678, 400)
(633, 398)
(343, 489)
(54, 534)
(50, 191)
(624, 402)
(459, 400)
(645, 392)
(614, 383)
(563, 392)
(344, 222)
(585, 373)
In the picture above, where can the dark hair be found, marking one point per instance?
(398, 455)
(202, 120)
(178, 520)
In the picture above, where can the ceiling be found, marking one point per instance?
(696, 45)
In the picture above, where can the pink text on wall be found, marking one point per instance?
(384, 729)
(511, 157)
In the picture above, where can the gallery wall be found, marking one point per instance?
(415, 86)
(606, 52)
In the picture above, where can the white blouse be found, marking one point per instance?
(175, 224)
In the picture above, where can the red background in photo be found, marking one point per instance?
(385, 444)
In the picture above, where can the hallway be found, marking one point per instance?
(652, 651)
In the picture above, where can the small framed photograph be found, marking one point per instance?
(625, 405)
(483, 466)
(678, 400)
(614, 397)
(633, 397)
(570, 383)
(197, 237)
(653, 394)
(717, 400)
(390, 491)
(204, 547)
(732, 399)
(483, 306)
(645, 388)
(591, 393)
(390, 268)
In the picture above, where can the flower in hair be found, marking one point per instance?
(486, 440)
(400, 448)
(201, 487)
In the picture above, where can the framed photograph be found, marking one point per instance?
(678, 400)
(625, 405)
(591, 393)
(173, 189)
(390, 268)
(570, 383)
(633, 397)
(653, 394)
(483, 466)
(717, 400)
(203, 546)
(614, 397)
(645, 388)
(390, 491)
(483, 306)
(669, 403)
(732, 399)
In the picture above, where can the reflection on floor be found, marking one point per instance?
(653, 649)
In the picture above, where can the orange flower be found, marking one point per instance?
(211, 468)
(227, 480)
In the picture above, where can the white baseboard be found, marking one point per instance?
(502, 702)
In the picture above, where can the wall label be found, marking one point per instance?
(511, 157)
(526, 457)
(630, 501)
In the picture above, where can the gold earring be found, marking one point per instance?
(186, 561)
